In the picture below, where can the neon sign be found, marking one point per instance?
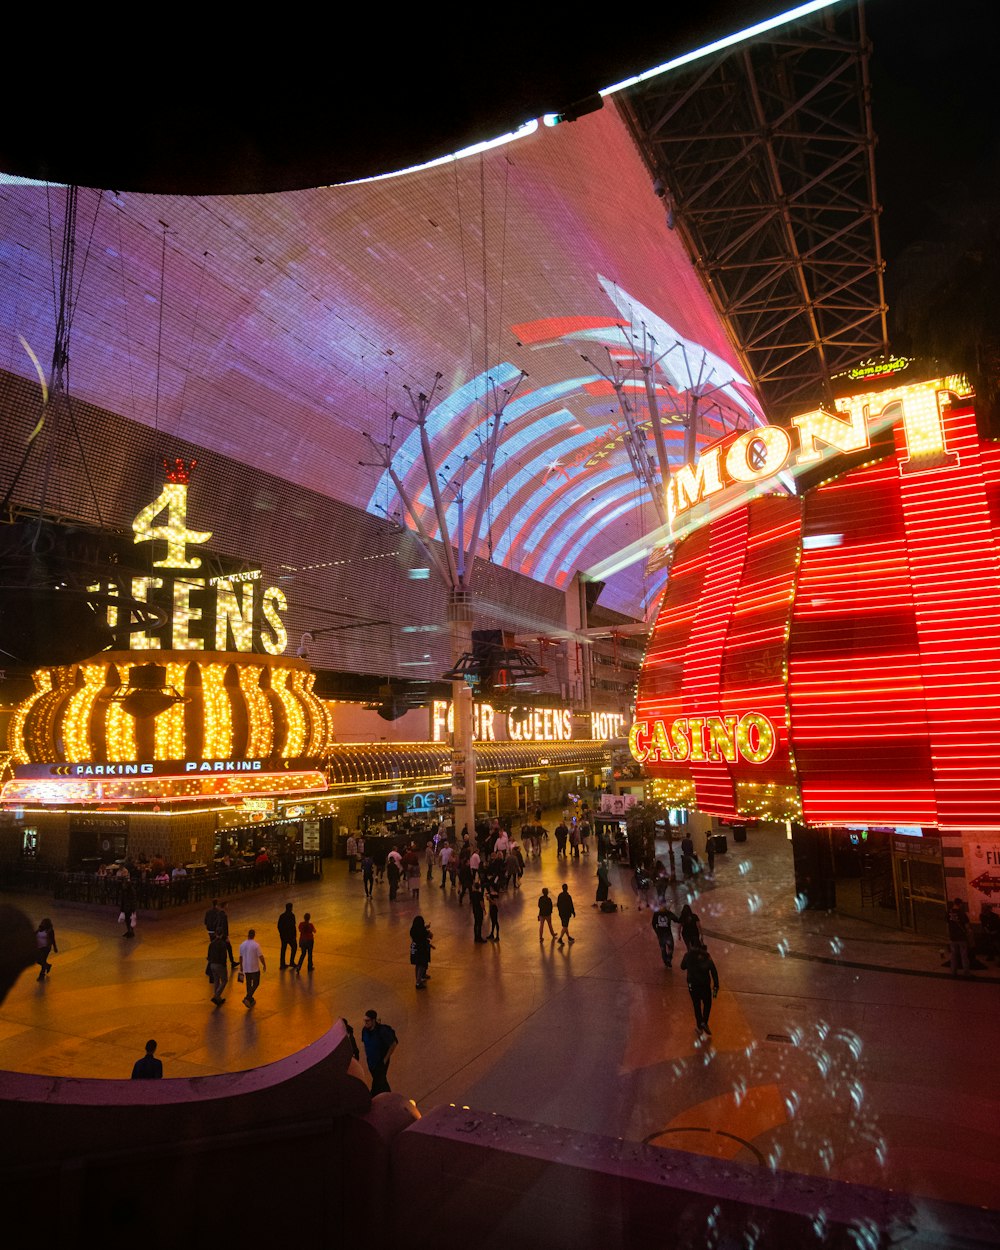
(228, 612)
(708, 739)
(541, 724)
(760, 454)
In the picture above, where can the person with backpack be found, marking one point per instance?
(379, 1041)
(663, 922)
(703, 985)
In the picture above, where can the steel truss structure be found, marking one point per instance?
(764, 155)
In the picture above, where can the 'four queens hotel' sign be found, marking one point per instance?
(227, 612)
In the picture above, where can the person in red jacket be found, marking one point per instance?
(307, 935)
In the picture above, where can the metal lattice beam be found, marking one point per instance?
(765, 155)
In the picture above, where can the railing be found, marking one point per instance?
(88, 887)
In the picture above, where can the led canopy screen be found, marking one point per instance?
(280, 329)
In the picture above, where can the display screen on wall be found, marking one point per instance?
(280, 329)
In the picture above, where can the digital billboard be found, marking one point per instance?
(280, 329)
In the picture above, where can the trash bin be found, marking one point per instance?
(719, 843)
(739, 833)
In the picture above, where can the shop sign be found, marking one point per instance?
(604, 726)
(542, 724)
(310, 835)
(104, 822)
(982, 869)
(704, 739)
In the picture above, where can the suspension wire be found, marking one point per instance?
(128, 329)
(194, 329)
(465, 269)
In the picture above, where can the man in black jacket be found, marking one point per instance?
(703, 985)
(287, 932)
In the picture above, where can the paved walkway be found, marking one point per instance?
(838, 1047)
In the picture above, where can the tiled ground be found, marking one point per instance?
(837, 1046)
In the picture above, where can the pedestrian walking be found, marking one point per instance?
(218, 967)
(148, 1068)
(478, 910)
(703, 985)
(545, 914)
(252, 964)
(663, 922)
(690, 927)
(288, 932)
(445, 857)
(45, 940)
(211, 920)
(368, 874)
(307, 937)
(564, 905)
(420, 950)
(379, 1041)
(127, 905)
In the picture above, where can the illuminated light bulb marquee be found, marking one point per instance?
(241, 714)
(246, 722)
(231, 612)
(861, 620)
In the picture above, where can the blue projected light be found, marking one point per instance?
(470, 444)
(587, 486)
(568, 557)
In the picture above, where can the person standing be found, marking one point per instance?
(252, 963)
(564, 905)
(45, 939)
(127, 904)
(352, 853)
(379, 1041)
(287, 931)
(703, 985)
(562, 833)
(478, 910)
(307, 936)
(545, 914)
(368, 874)
(663, 922)
(494, 933)
(392, 872)
(445, 856)
(420, 950)
(603, 883)
(958, 936)
(218, 967)
(148, 1068)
